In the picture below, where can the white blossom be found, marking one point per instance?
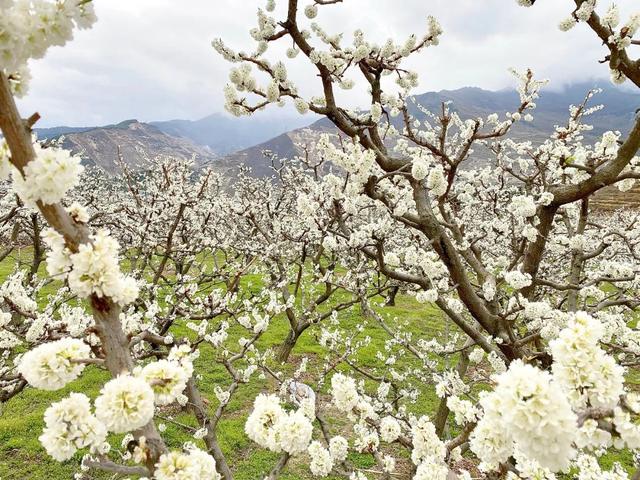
(52, 365)
(69, 426)
(48, 177)
(125, 403)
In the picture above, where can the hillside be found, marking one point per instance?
(225, 134)
(610, 198)
(470, 102)
(135, 142)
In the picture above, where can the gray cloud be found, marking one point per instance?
(152, 59)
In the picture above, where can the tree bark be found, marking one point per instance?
(210, 439)
(391, 298)
(442, 415)
(284, 351)
(105, 312)
(37, 248)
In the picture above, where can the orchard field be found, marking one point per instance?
(407, 293)
(22, 455)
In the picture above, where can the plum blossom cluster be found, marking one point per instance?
(193, 464)
(529, 405)
(70, 426)
(93, 270)
(52, 365)
(30, 27)
(272, 427)
(590, 376)
(527, 412)
(48, 177)
(168, 379)
(125, 403)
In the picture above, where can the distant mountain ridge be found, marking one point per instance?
(134, 142)
(552, 108)
(225, 134)
(54, 132)
(228, 143)
(205, 139)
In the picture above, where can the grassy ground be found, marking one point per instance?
(22, 456)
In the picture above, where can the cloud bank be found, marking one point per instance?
(152, 59)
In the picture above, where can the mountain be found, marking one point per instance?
(283, 146)
(134, 142)
(234, 142)
(54, 132)
(225, 134)
(206, 139)
(470, 102)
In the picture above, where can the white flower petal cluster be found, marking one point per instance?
(390, 429)
(352, 157)
(48, 177)
(78, 212)
(14, 288)
(184, 356)
(270, 426)
(436, 181)
(626, 427)
(431, 470)
(294, 431)
(463, 410)
(5, 155)
(517, 280)
(51, 366)
(427, 296)
(311, 10)
(589, 469)
(8, 339)
(94, 269)
(338, 448)
(426, 444)
(69, 426)
(301, 106)
(344, 392)
(522, 206)
(527, 412)
(58, 261)
(321, 461)
(194, 464)
(167, 378)
(30, 27)
(589, 376)
(586, 9)
(419, 168)
(125, 404)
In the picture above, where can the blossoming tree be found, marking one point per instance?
(536, 291)
(509, 251)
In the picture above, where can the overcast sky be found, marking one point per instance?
(152, 59)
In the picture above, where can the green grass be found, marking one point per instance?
(22, 456)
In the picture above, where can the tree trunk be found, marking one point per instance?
(442, 414)
(210, 439)
(37, 249)
(287, 346)
(391, 298)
